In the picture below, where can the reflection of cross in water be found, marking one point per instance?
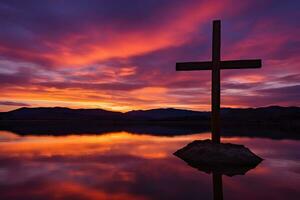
(215, 65)
(217, 186)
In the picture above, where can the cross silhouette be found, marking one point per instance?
(216, 65)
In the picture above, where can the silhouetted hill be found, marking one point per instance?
(272, 122)
(273, 114)
(165, 113)
(59, 113)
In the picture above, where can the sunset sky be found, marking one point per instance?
(120, 55)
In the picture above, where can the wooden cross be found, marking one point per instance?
(216, 65)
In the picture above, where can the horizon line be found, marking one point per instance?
(268, 106)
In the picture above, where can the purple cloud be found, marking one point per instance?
(11, 103)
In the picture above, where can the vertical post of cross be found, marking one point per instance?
(215, 89)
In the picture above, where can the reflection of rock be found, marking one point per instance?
(224, 158)
(227, 170)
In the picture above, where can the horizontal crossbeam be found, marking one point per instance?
(229, 64)
(240, 64)
(189, 66)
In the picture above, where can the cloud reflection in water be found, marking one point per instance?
(126, 166)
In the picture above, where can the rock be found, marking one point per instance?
(223, 158)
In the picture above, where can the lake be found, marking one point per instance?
(123, 165)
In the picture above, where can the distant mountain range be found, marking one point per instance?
(272, 114)
(272, 122)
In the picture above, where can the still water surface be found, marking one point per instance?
(122, 165)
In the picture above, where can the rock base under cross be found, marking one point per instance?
(222, 158)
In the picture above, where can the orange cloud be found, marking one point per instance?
(176, 29)
(115, 64)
